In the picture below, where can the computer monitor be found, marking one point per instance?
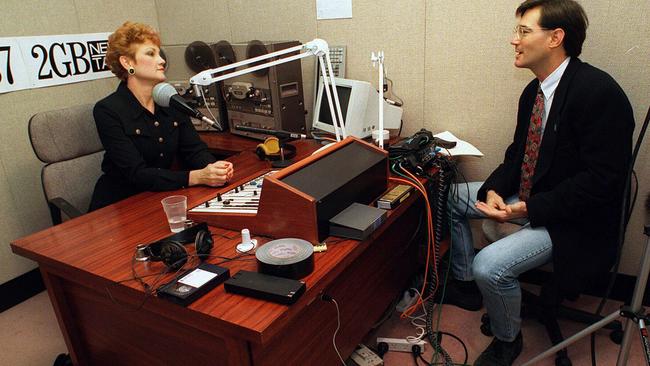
(359, 107)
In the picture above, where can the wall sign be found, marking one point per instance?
(40, 61)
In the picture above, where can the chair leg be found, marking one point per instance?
(548, 315)
(586, 317)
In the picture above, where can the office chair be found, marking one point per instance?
(66, 140)
(548, 305)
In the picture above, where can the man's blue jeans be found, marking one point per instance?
(496, 267)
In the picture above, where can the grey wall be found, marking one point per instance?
(450, 61)
(23, 209)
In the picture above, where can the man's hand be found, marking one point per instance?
(495, 201)
(215, 174)
(509, 212)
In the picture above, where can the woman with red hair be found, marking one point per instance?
(141, 138)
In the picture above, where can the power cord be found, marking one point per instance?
(329, 298)
(416, 351)
(382, 349)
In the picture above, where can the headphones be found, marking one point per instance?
(172, 252)
(270, 150)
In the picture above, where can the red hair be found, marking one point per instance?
(122, 41)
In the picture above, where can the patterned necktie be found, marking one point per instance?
(532, 147)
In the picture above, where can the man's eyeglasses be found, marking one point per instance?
(521, 31)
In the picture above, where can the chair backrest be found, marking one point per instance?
(67, 141)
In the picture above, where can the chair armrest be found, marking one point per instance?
(58, 204)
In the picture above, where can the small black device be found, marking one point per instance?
(419, 152)
(193, 283)
(266, 287)
(357, 221)
(171, 250)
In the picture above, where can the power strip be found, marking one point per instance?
(407, 301)
(400, 344)
(363, 356)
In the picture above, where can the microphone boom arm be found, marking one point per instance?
(317, 47)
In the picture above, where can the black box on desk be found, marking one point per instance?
(193, 284)
(266, 287)
(357, 221)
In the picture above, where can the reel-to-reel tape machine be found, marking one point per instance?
(185, 61)
(270, 98)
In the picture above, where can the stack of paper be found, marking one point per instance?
(461, 148)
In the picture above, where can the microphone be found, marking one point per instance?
(166, 95)
(276, 133)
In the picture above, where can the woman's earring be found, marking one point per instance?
(131, 71)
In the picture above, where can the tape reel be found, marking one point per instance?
(256, 48)
(199, 57)
(289, 257)
(224, 54)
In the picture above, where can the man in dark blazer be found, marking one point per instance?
(562, 178)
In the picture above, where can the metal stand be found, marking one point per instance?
(634, 312)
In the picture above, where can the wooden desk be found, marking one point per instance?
(105, 321)
(228, 144)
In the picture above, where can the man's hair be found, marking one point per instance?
(565, 14)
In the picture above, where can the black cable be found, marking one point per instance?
(442, 363)
(461, 343)
(440, 208)
(419, 159)
(416, 351)
(399, 100)
(390, 309)
(150, 289)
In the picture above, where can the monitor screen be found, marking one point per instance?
(359, 108)
(344, 100)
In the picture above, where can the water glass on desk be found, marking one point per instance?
(176, 210)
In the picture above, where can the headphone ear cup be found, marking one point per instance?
(261, 154)
(269, 149)
(289, 151)
(203, 244)
(173, 254)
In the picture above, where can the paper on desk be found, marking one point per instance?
(462, 147)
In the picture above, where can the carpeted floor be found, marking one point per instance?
(466, 326)
(31, 337)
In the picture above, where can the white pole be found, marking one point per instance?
(381, 99)
(336, 96)
(326, 86)
(379, 59)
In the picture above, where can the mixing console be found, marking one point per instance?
(244, 198)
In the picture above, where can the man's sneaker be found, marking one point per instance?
(464, 294)
(500, 353)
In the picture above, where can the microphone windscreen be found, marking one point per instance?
(162, 93)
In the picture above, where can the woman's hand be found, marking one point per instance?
(215, 174)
